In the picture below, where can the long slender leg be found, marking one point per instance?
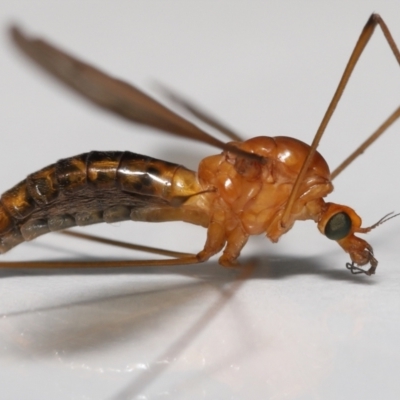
(163, 214)
(178, 258)
(363, 40)
(125, 245)
(392, 118)
(150, 215)
(99, 264)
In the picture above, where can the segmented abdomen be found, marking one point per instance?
(87, 189)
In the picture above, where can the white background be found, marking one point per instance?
(301, 327)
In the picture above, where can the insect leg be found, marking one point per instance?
(216, 235)
(163, 214)
(392, 118)
(235, 243)
(363, 40)
(178, 258)
(224, 230)
(126, 245)
(99, 264)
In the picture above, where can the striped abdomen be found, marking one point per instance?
(87, 189)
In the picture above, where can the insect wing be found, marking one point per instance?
(107, 92)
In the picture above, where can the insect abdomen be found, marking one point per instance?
(85, 189)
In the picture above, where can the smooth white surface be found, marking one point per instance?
(301, 327)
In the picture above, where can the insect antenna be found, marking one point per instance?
(384, 219)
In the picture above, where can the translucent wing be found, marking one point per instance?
(107, 92)
(198, 113)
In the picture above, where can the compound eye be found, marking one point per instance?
(338, 227)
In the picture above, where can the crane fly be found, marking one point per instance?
(261, 185)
